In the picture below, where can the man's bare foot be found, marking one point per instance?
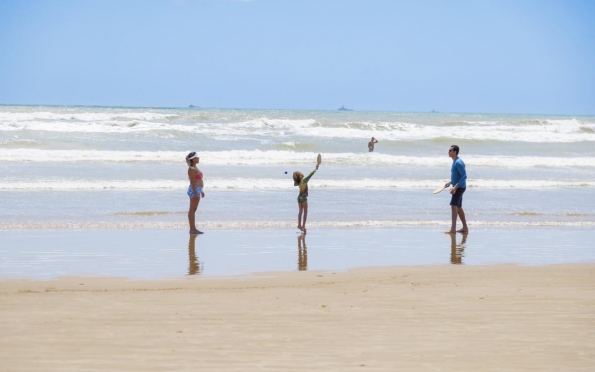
(450, 232)
(463, 231)
(196, 232)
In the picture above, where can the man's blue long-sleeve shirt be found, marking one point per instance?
(458, 175)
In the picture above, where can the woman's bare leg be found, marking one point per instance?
(192, 215)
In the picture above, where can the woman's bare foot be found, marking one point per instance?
(196, 232)
(450, 232)
(304, 229)
(463, 231)
(299, 227)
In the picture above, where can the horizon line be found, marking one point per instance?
(284, 109)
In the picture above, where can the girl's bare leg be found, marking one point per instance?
(300, 216)
(305, 206)
(192, 215)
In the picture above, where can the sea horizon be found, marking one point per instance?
(299, 109)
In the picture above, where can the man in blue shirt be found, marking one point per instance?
(458, 180)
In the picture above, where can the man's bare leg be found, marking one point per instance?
(454, 214)
(461, 214)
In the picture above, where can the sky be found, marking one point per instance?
(500, 56)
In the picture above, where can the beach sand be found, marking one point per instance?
(423, 318)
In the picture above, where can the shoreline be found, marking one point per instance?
(465, 318)
(160, 254)
(96, 283)
(279, 225)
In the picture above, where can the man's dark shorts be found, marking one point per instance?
(457, 197)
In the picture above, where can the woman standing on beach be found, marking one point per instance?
(194, 190)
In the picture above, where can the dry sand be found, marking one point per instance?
(441, 318)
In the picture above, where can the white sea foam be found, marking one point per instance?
(16, 117)
(548, 131)
(281, 184)
(127, 126)
(257, 157)
(269, 224)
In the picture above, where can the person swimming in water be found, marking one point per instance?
(371, 144)
(194, 190)
(302, 182)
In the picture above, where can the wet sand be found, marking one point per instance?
(166, 254)
(421, 318)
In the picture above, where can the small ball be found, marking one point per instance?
(285, 172)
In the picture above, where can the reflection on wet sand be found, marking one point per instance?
(302, 253)
(194, 267)
(457, 250)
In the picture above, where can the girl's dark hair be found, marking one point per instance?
(297, 178)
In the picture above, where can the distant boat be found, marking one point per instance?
(191, 106)
(342, 108)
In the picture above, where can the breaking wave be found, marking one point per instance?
(143, 225)
(281, 184)
(273, 157)
(221, 128)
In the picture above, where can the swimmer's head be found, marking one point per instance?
(192, 159)
(297, 178)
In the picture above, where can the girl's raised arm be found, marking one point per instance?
(310, 175)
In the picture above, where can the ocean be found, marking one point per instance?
(122, 168)
(102, 190)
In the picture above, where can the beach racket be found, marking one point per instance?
(318, 160)
(439, 190)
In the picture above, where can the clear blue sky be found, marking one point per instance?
(467, 56)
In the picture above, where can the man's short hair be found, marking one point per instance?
(455, 148)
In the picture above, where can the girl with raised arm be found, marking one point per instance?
(302, 182)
